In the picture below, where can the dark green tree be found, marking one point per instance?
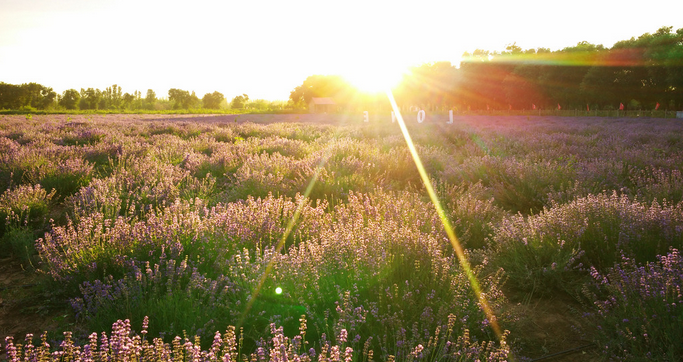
(90, 98)
(31, 95)
(674, 72)
(561, 78)
(664, 63)
(481, 80)
(70, 99)
(47, 98)
(11, 96)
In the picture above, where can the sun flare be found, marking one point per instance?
(374, 79)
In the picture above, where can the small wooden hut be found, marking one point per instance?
(321, 105)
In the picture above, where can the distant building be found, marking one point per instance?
(321, 105)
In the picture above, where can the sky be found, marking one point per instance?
(265, 48)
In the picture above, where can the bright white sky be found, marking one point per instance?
(265, 48)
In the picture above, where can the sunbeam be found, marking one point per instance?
(464, 264)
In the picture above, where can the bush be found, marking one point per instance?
(124, 344)
(552, 249)
(24, 206)
(639, 309)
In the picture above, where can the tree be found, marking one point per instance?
(332, 86)
(127, 101)
(428, 85)
(11, 96)
(150, 99)
(259, 104)
(111, 98)
(664, 61)
(521, 87)
(674, 71)
(182, 99)
(47, 98)
(31, 95)
(481, 78)
(137, 100)
(239, 101)
(70, 99)
(212, 100)
(194, 101)
(90, 98)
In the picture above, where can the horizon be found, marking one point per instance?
(259, 52)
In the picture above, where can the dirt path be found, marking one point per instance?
(25, 307)
(550, 326)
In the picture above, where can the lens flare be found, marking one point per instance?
(281, 243)
(464, 264)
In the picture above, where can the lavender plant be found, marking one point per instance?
(23, 211)
(203, 205)
(639, 309)
(124, 344)
(557, 246)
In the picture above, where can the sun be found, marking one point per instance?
(373, 79)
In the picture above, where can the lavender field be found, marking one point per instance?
(258, 238)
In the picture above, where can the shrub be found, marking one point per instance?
(639, 309)
(516, 185)
(658, 184)
(173, 293)
(24, 206)
(68, 176)
(547, 250)
(124, 344)
(472, 212)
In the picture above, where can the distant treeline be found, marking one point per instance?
(638, 73)
(34, 96)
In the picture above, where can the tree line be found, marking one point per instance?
(640, 73)
(34, 96)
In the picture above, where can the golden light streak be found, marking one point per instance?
(288, 230)
(281, 243)
(464, 264)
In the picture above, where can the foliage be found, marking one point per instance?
(24, 206)
(124, 344)
(70, 99)
(641, 73)
(552, 249)
(182, 99)
(178, 221)
(239, 101)
(26, 95)
(212, 100)
(639, 309)
(90, 98)
(320, 86)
